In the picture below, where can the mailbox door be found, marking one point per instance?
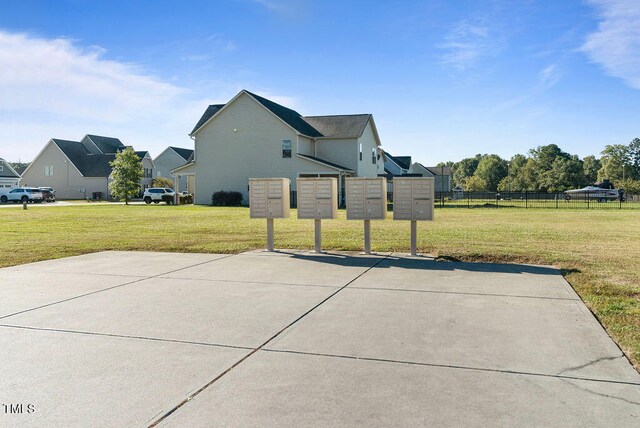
(373, 209)
(274, 208)
(324, 209)
(355, 200)
(422, 209)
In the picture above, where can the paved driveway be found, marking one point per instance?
(292, 338)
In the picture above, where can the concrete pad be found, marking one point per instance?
(276, 389)
(85, 380)
(238, 314)
(286, 267)
(30, 288)
(134, 263)
(425, 274)
(491, 332)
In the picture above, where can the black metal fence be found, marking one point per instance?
(559, 200)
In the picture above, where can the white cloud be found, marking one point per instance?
(549, 76)
(54, 88)
(465, 44)
(616, 43)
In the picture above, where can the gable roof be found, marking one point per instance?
(339, 126)
(142, 154)
(324, 162)
(335, 126)
(208, 114)
(88, 164)
(403, 162)
(8, 170)
(438, 170)
(290, 117)
(183, 153)
(107, 145)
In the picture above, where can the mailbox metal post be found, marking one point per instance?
(366, 200)
(413, 200)
(367, 236)
(270, 240)
(317, 235)
(269, 199)
(317, 200)
(414, 237)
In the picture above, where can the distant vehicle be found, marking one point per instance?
(23, 194)
(48, 193)
(592, 193)
(159, 194)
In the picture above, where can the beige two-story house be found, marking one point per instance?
(251, 136)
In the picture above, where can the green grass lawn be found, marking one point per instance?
(599, 250)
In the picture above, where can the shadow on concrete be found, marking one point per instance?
(420, 263)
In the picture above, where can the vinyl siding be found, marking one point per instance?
(365, 167)
(225, 160)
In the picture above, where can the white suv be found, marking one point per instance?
(159, 194)
(23, 194)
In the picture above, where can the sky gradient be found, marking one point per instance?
(444, 80)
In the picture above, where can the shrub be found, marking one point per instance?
(186, 199)
(226, 199)
(162, 182)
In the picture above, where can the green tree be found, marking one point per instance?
(475, 184)
(634, 159)
(464, 169)
(162, 182)
(615, 161)
(590, 167)
(565, 173)
(491, 169)
(126, 175)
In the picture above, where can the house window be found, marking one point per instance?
(360, 151)
(373, 156)
(1, 168)
(158, 174)
(48, 170)
(286, 148)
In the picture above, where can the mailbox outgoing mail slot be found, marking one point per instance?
(317, 197)
(413, 198)
(269, 197)
(366, 198)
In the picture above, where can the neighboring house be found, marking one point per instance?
(9, 178)
(251, 136)
(148, 167)
(170, 159)
(78, 169)
(396, 165)
(441, 175)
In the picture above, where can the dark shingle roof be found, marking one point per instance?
(339, 126)
(107, 145)
(142, 154)
(290, 117)
(208, 114)
(7, 171)
(184, 153)
(438, 170)
(403, 162)
(331, 164)
(88, 164)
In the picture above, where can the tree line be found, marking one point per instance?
(549, 169)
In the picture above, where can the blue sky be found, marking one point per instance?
(444, 80)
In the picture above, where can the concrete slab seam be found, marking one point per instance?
(249, 282)
(243, 359)
(451, 366)
(464, 293)
(140, 279)
(125, 336)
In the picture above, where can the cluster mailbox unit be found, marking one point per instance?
(269, 198)
(413, 199)
(317, 200)
(366, 200)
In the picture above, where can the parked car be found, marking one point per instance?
(23, 194)
(159, 194)
(48, 193)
